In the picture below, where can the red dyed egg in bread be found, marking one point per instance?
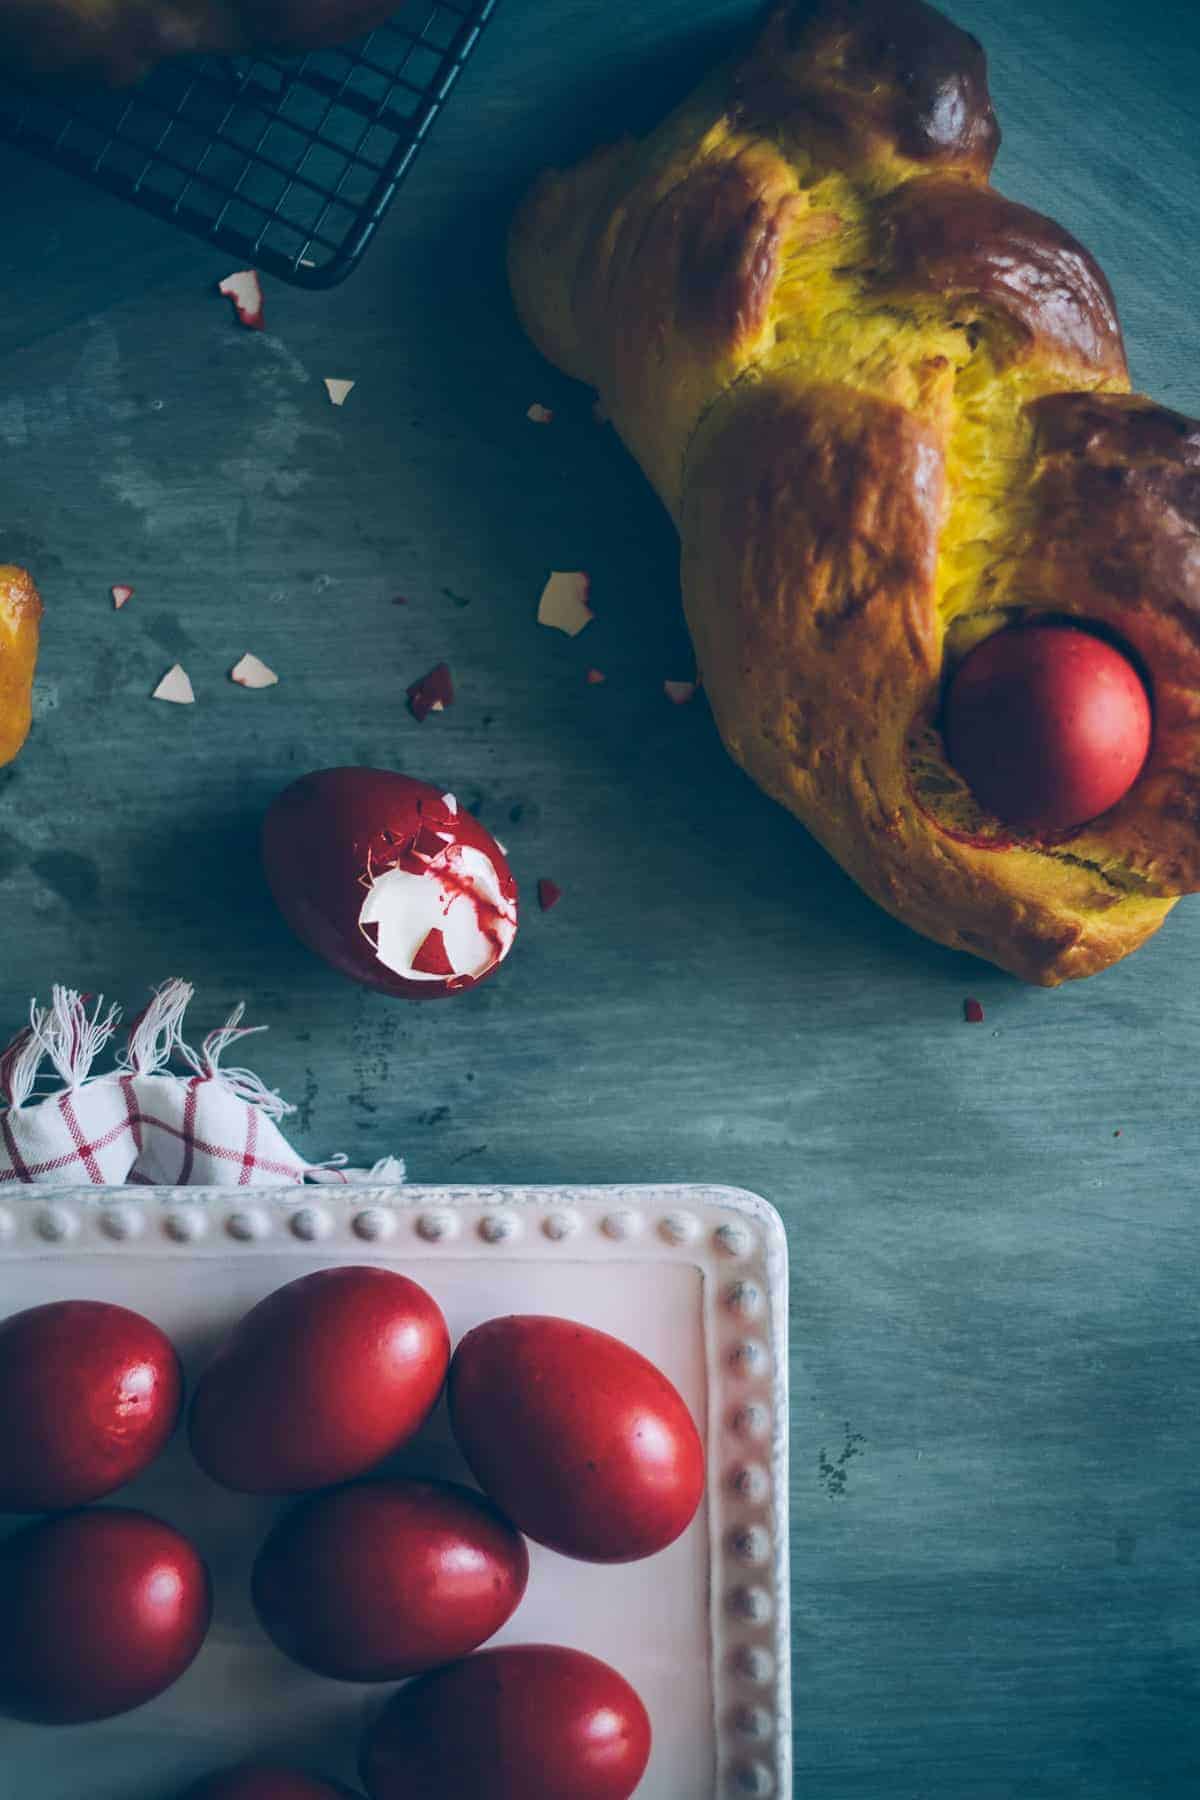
(1050, 726)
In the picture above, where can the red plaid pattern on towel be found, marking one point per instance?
(205, 1126)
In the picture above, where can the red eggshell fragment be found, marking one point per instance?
(528, 1721)
(264, 1781)
(579, 1439)
(320, 1381)
(99, 1612)
(431, 958)
(1050, 726)
(432, 693)
(388, 1579)
(89, 1396)
(548, 892)
(329, 834)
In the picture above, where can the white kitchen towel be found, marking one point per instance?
(198, 1124)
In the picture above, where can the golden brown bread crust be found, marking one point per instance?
(952, 240)
(20, 622)
(888, 410)
(873, 77)
(1116, 540)
(120, 41)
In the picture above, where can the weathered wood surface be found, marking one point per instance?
(993, 1291)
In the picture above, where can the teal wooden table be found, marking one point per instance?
(994, 1229)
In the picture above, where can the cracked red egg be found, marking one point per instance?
(390, 880)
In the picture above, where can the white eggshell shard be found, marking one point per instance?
(252, 672)
(458, 895)
(176, 687)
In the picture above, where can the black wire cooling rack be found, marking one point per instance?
(288, 163)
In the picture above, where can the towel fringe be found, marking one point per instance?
(389, 1171)
(21, 1061)
(243, 1082)
(71, 1037)
(156, 1034)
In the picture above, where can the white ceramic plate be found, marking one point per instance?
(695, 1278)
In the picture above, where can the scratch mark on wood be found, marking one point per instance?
(475, 1150)
(304, 1106)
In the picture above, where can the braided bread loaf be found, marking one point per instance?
(119, 41)
(20, 625)
(888, 410)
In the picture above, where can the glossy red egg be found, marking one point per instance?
(99, 1612)
(1048, 725)
(320, 1381)
(264, 1781)
(533, 1722)
(89, 1395)
(580, 1441)
(390, 880)
(388, 1579)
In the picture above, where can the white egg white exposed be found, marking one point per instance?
(404, 908)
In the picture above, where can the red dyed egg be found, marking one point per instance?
(89, 1395)
(320, 1381)
(1049, 726)
(264, 1781)
(511, 1724)
(388, 1579)
(99, 1612)
(581, 1442)
(390, 880)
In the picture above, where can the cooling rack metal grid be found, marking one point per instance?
(288, 163)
